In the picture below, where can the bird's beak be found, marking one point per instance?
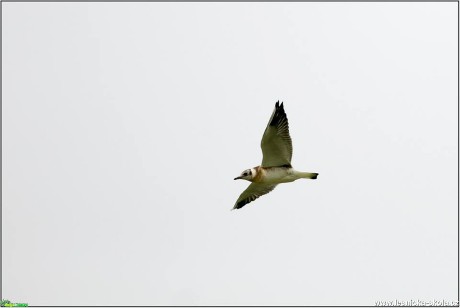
(237, 178)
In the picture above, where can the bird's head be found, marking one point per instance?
(247, 174)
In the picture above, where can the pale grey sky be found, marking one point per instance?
(124, 125)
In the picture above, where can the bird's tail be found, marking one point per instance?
(308, 175)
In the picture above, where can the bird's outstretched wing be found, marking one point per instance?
(254, 191)
(276, 143)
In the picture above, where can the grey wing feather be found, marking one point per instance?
(254, 191)
(276, 142)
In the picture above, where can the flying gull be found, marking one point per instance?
(276, 165)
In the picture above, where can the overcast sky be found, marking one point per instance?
(124, 125)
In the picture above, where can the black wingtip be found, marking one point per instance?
(315, 176)
(240, 204)
(279, 115)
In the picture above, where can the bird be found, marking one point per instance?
(276, 165)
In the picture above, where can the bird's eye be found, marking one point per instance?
(245, 174)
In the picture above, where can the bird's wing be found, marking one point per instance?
(254, 191)
(276, 143)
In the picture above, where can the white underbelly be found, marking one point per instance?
(279, 175)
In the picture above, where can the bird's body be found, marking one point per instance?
(278, 175)
(276, 165)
